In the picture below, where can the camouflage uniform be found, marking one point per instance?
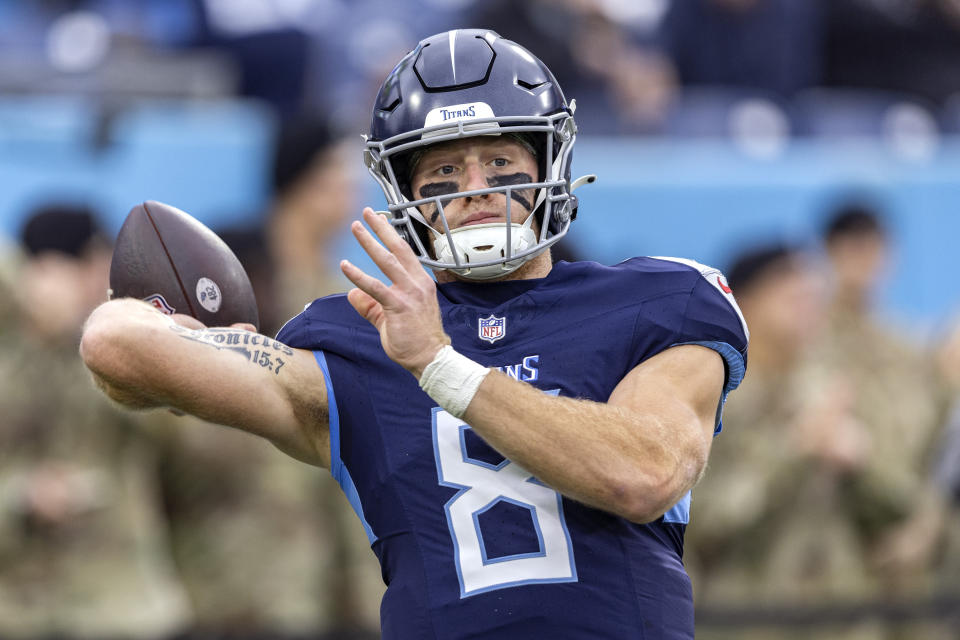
(772, 525)
(905, 403)
(767, 522)
(265, 542)
(251, 532)
(97, 566)
(899, 396)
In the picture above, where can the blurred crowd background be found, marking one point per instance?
(810, 148)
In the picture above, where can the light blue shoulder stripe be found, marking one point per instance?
(679, 512)
(337, 469)
(736, 368)
(735, 365)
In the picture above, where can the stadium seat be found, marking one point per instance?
(852, 113)
(950, 115)
(710, 112)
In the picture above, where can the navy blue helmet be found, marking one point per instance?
(466, 83)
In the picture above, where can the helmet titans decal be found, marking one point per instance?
(456, 112)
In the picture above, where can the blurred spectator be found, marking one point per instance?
(817, 503)
(899, 398)
(83, 541)
(267, 544)
(255, 548)
(899, 393)
(355, 42)
(272, 58)
(315, 179)
(857, 249)
(769, 524)
(946, 469)
(315, 185)
(911, 46)
(769, 45)
(621, 82)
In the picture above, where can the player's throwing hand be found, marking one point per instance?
(406, 313)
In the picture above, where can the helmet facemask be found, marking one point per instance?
(490, 250)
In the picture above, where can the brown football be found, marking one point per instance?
(170, 259)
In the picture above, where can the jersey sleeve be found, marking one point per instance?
(327, 323)
(713, 319)
(294, 333)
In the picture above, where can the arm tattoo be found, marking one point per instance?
(258, 349)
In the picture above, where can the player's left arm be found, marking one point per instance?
(635, 455)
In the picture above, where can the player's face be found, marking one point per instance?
(471, 164)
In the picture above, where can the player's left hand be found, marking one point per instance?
(405, 313)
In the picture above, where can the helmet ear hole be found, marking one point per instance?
(424, 237)
(404, 234)
(400, 164)
(572, 206)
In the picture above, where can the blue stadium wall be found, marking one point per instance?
(705, 200)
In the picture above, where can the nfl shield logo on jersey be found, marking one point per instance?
(492, 328)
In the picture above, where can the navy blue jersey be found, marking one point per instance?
(471, 545)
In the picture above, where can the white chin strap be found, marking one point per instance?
(482, 243)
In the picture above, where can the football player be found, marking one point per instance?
(520, 439)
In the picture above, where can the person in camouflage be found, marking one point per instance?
(83, 545)
(265, 543)
(771, 531)
(902, 398)
(818, 501)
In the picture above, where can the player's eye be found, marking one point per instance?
(446, 170)
(500, 162)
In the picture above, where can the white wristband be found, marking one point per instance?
(452, 379)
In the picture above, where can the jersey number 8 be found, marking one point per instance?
(482, 486)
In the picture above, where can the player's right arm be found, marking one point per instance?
(228, 375)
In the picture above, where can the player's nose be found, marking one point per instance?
(474, 177)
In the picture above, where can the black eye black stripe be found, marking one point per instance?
(434, 189)
(513, 178)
